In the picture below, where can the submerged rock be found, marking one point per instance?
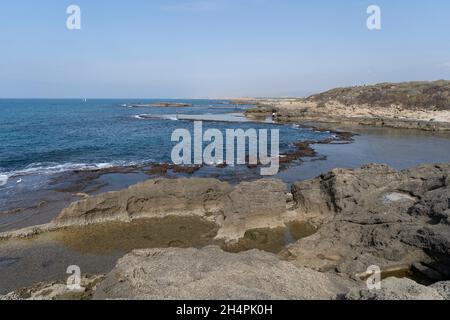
(162, 105)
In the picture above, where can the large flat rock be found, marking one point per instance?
(249, 205)
(210, 273)
(152, 198)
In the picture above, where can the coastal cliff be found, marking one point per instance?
(409, 105)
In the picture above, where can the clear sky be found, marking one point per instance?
(216, 48)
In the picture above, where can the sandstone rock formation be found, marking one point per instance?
(396, 289)
(235, 210)
(152, 198)
(373, 215)
(210, 273)
(443, 288)
(57, 291)
(249, 205)
(409, 105)
(253, 205)
(376, 216)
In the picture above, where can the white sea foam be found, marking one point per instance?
(171, 117)
(211, 117)
(53, 168)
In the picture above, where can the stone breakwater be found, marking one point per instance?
(369, 216)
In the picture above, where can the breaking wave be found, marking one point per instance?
(53, 168)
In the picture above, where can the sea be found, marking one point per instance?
(51, 149)
(51, 136)
(55, 152)
(43, 140)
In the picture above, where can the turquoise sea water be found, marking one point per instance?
(48, 149)
(51, 136)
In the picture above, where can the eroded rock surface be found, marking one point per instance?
(57, 291)
(249, 205)
(408, 105)
(443, 288)
(253, 205)
(152, 198)
(210, 273)
(396, 289)
(376, 216)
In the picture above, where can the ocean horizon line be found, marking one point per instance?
(179, 98)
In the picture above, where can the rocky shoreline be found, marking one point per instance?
(203, 238)
(70, 186)
(411, 105)
(399, 221)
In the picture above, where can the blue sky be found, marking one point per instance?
(216, 48)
